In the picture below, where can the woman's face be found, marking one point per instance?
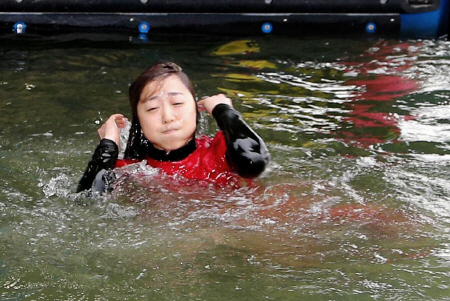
(167, 113)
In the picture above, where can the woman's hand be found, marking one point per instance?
(110, 129)
(209, 103)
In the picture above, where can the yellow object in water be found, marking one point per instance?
(237, 93)
(238, 77)
(237, 47)
(260, 64)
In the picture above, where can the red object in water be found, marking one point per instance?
(384, 88)
(371, 120)
(208, 162)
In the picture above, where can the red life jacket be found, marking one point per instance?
(208, 162)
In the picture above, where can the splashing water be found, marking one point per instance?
(124, 133)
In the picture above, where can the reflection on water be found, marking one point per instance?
(353, 206)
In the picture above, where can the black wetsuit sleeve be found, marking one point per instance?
(247, 153)
(103, 160)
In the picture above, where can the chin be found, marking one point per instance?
(172, 143)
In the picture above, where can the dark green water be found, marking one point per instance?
(354, 206)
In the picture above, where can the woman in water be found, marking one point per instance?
(163, 127)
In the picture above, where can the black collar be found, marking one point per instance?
(175, 155)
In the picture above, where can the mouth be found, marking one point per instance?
(169, 132)
(170, 129)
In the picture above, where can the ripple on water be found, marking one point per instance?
(430, 124)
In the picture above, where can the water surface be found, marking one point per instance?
(354, 205)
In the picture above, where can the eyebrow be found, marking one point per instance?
(150, 98)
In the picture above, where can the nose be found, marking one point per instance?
(167, 114)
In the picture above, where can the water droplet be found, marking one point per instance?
(29, 86)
